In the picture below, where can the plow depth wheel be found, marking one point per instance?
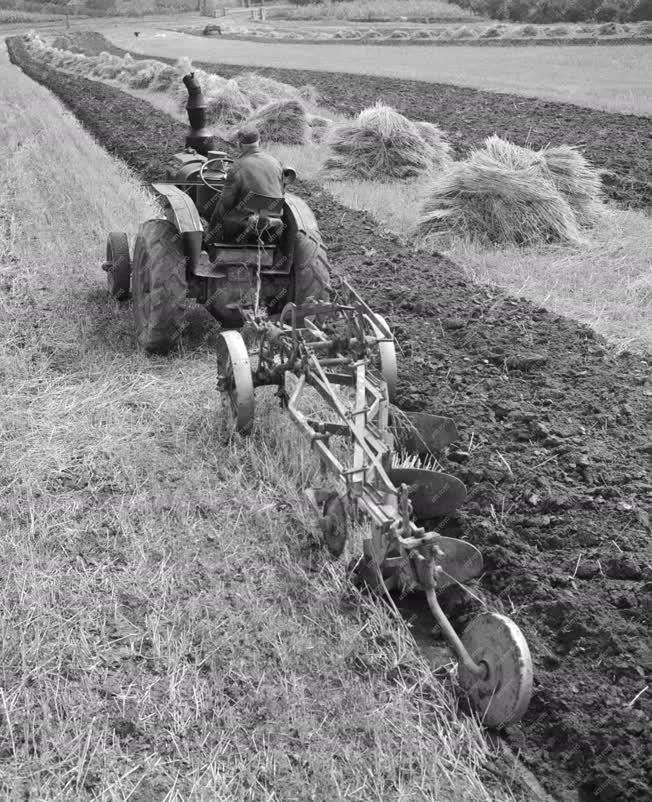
(159, 286)
(495, 642)
(118, 265)
(386, 356)
(234, 378)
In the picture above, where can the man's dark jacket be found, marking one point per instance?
(254, 172)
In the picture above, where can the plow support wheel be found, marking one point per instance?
(234, 378)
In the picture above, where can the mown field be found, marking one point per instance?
(171, 629)
(557, 501)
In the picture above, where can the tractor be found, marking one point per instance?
(281, 260)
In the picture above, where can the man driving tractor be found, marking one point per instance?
(253, 193)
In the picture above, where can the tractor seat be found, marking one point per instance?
(262, 228)
(263, 221)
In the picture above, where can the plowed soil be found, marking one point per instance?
(555, 445)
(619, 144)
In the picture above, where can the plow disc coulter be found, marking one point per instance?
(345, 352)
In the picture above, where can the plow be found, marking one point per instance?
(346, 353)
(316, 338)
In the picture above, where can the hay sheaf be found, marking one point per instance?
(261, 90)
(564, 166)
(283, 121)
(436, 138)
(577, 180)
(493, 202)
(227, 106)
(319, 127)
(381, 144)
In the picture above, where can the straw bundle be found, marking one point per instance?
(435, 137)
(319, 127)
(564, 166)
(228, 106)
(282, 121)
(166, 79)
(489, 201)
(308, 93)
(261, 90)
(577, 181)
(143, 75)
(107, 66)
(380, 144)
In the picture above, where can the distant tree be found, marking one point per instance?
(641, 11)
(518, 10)
(609, 11)
(100, 5)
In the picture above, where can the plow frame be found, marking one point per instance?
(327, 345)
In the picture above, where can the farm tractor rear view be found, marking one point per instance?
(311, 332)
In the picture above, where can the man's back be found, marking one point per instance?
(258, 173)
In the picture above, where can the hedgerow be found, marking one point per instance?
(547, 11)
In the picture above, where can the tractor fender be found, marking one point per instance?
(183, 214)
(299, 216)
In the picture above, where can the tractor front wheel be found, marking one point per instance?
(158, 286)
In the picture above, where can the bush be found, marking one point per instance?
(544, 12)
(518, 10)
(609, 11)
(641, 11)
(528, 30)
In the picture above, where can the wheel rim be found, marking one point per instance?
(110, 258)
(503, 695)
(235, 379)
(118, 266)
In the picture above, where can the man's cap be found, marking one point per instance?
(248, 135)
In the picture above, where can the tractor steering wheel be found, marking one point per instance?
(205, 165)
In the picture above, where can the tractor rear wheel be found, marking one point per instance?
(159, 286)
(311, 269)
(118, 265)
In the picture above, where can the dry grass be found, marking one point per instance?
(170, 629)
(606, 282)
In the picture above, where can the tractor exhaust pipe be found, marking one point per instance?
(199, 137)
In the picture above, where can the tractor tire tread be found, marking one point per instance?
(159, 319)
(311, 268)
